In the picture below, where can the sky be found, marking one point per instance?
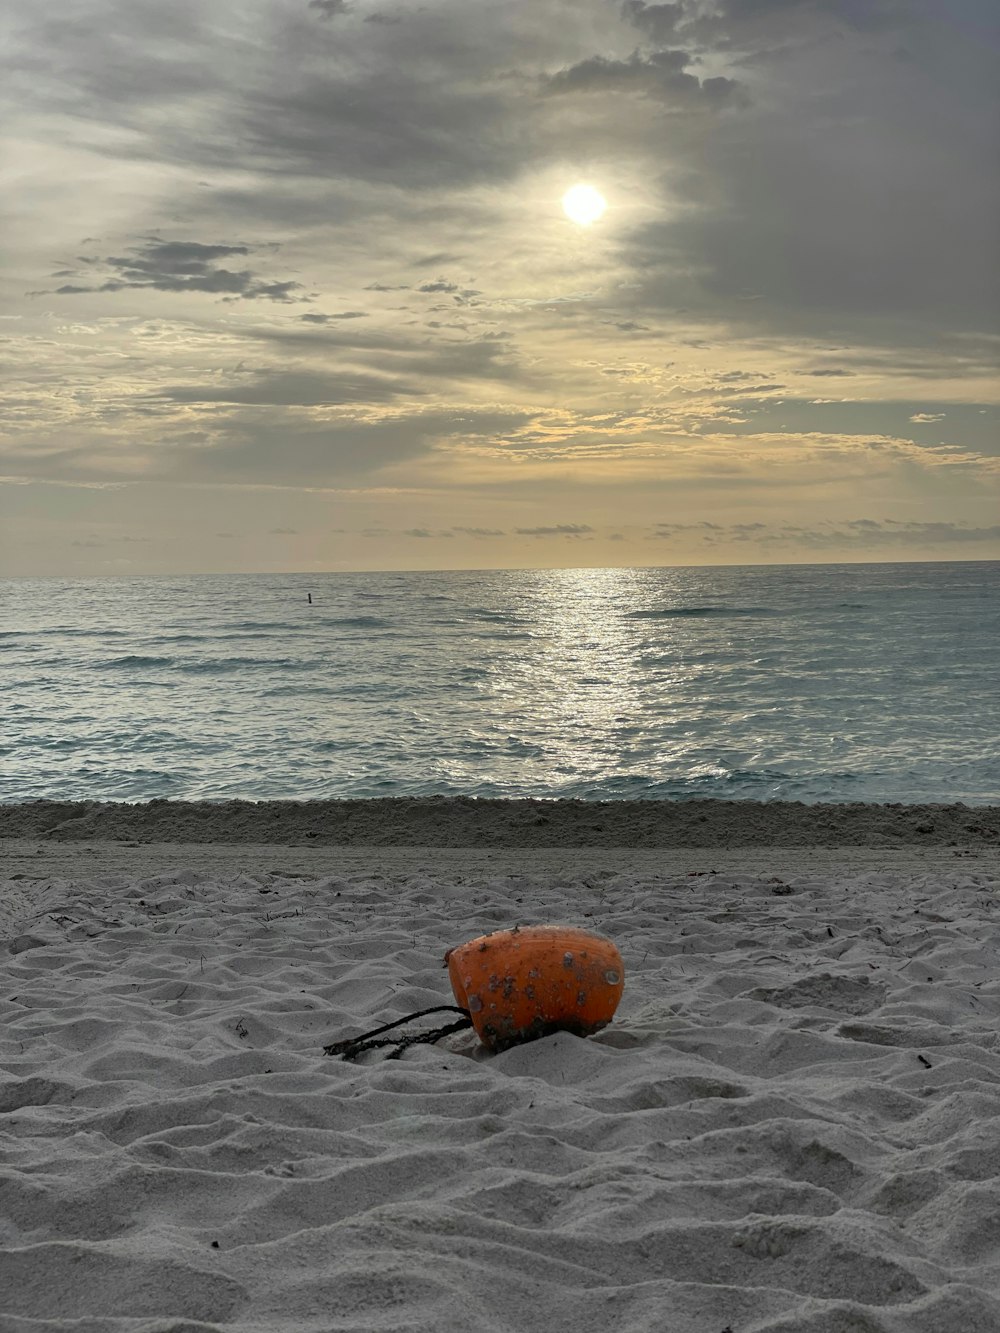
(289, 286)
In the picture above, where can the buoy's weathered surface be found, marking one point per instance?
(525, 983)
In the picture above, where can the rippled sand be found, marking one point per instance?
(792, 1123)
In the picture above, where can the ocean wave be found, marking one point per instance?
(212, 666)
(65, 631)
(493, 617)
(357, 622)
(268, 625)
(671, 612)
(131, 660)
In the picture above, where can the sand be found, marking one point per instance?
(793, 1122)
(462, 822)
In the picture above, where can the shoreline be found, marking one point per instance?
(523, 824)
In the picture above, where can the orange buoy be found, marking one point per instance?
(525, 983)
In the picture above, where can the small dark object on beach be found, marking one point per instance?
(351, 1047)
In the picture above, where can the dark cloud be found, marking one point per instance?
(749, 390)
(889, 532)
(558, 530)
(667, 531)
(739, 21)
(830, 373)
(403, 352)
(185, 266)
(658, 22)
(325, 319)
(863, 533)
(277, 446)
(330, 8)
(853, 199)
(661, 76)
(432, 261)
(298, 388)
(412, 126)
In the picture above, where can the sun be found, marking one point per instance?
(583, 204)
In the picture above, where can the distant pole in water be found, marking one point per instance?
(310, 596)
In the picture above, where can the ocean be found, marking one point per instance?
(875, 682)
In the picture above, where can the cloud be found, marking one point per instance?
(668, 531)
(480, 532)
(399, 351)
(658, 22)
(330, 8)
(184, 266)
(660, 76)
(558, 530)
(860, 533)
(827, 205)
(923, 417)
(325, 319)
(276, 447)
(298, 388)
(890, 532)
(747, 23)
(434, 260)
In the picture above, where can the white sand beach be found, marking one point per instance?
(793, 1122)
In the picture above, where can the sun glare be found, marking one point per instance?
(583, 204)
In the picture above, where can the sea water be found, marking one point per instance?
(812, 683)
